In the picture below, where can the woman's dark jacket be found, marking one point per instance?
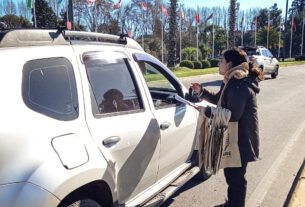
(240, 98)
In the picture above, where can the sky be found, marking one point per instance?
(244, 4)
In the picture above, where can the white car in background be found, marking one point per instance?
(264, 59)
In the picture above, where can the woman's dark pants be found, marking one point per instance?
(237, 185)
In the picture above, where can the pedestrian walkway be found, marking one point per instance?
(298, 196)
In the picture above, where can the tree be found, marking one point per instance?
(172, 33)
(189, 53)
(205, 51)
(45, 17)
(23, 10)
(13, 21)
(273, 38)
(232, 23)
(9, 7)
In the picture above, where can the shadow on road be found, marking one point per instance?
(192, 183)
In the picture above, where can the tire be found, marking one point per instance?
(275, 73)
(85, 203)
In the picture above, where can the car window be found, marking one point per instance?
(250, 51)
(114, 89)
(49, 87)
(161, 88)
(269, 54)
(265, 53)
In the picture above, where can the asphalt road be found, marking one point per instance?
(281, 105)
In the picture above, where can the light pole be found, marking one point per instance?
(284, 32)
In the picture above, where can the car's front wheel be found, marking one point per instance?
(275, 73)
(85, 203)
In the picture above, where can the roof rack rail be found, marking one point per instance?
(31, 37)
(101, 37)
(114, 38)
(60, 36)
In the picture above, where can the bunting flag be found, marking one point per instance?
(29, 4)
(129, 33)
(210, 17)
(164, 11)
(181, 14)
(144, 6)
(197, 18)
(90, 2)
(117, 5)
(294, 25)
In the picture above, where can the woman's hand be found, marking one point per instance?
(196, 88)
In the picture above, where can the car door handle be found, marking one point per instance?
(165, 125)
(110, 141)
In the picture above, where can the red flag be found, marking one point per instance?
(181, 14)
(129, 33)
(294, 25)
(69, 25)
(164, 11)
(210, 17)
(144, 6)
(118, 5)
(197, 18)
(90, 2)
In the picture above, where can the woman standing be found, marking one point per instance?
(238, 94)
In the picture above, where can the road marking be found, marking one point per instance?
(257, 197)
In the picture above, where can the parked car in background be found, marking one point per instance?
(264, 59)
(82, 125)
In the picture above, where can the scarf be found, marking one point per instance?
(238, 72)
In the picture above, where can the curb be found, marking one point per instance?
(297, 193)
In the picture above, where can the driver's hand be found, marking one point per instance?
(196, 88)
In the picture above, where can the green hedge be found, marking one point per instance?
(214, 62)
(205, 64)
(197, 64)
(187, 63)
(299, 58)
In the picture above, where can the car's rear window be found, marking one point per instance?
(250, 51)
(49, 87)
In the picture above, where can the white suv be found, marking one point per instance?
(84, 124)
(264, 59)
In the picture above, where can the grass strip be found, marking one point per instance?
(186, 72)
